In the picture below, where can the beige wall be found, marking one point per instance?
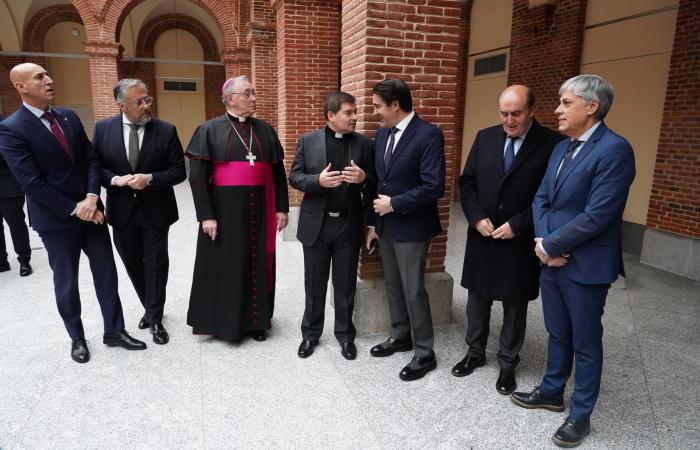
(633, 53)
(490, 29)
(71, 76)
(183, 109)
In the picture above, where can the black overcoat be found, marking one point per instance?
(503, 269)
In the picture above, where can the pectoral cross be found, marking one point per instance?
(251, 157)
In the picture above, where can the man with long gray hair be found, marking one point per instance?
(577, 215)
(141, 159)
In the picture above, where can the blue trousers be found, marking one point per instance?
(572, 316)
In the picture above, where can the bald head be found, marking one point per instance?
(33, 84)
(515, 107)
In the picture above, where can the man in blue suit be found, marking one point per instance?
(12, 210)
(577, 215)
(410, 166)
(49, 153)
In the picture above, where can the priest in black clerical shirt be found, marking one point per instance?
(239, 189)
(334, 167)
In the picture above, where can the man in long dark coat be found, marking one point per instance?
(239, 188)
(503, 171)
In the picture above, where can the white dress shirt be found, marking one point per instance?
(401, 126)
(518, 143)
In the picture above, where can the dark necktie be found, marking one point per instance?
(390, 148)
(56, 131)
(568, 156)
(133, 145)
(509, 156)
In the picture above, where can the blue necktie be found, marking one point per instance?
(509, 156)
(568, 156)
(390, 148)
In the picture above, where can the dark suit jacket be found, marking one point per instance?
(582, 213)
(503, 269)
(53, 181)
(415, 180)
(160, 154)
(309, 162)
(9, 187)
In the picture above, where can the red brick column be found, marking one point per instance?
(261, 36)
(10, 97)
(236, 62)
(308, 43)
(103, 76)
(421, 45)
(674, 205)
(545, 51)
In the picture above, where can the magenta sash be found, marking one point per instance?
(240, 173)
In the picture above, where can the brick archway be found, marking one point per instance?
(41, 22)
(115, 12)
(148, 35)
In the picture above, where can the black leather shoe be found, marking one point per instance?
(306, 348)
(467, 365)
(417, 368)
(25, 270)
(258, 335)
(572, 432)
(123, 340)
(505, 385)
(4, 266)
(160, 335)
(348, 350)
(79, 351)
(535, 400)
(391, 346)
(143, 323)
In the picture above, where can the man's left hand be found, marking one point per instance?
(503, 232)
(282, 219)
(86, 208)
(353, 173)
(139, 181)
(382, 205)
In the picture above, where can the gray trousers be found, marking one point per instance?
(404, 278)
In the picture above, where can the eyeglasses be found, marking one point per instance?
(148, 101)
(245, 94)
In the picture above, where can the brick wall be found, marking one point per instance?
(462, 75)
(308, 41)
(103, 76)
(261, 36)
(419, 42)
(546, 43)
(10, 97)
(674, 204)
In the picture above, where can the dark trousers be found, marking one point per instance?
(332, 246)
(12, 210)
(63, 248)
(512, 331)
(144, 252)
(572, 315)
(409, 306)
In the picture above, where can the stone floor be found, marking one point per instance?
(201, 393)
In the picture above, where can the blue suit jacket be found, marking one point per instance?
(415, 180)
(582, 213)
(53, 181)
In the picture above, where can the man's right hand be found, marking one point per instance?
(484, 226)
(328, 179)
(123, 180)
(209, 227)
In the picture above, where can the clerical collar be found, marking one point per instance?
(236, 118)
(336, 135)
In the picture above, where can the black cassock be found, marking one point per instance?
(233, 286)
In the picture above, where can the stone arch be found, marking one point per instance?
(148, 35)
(42, 21)
(115, 12)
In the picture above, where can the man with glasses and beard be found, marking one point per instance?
(141, 159)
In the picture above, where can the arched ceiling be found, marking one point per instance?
(149, 9)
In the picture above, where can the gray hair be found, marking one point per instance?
(591, 87)
(230, 84)
(123, 85)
